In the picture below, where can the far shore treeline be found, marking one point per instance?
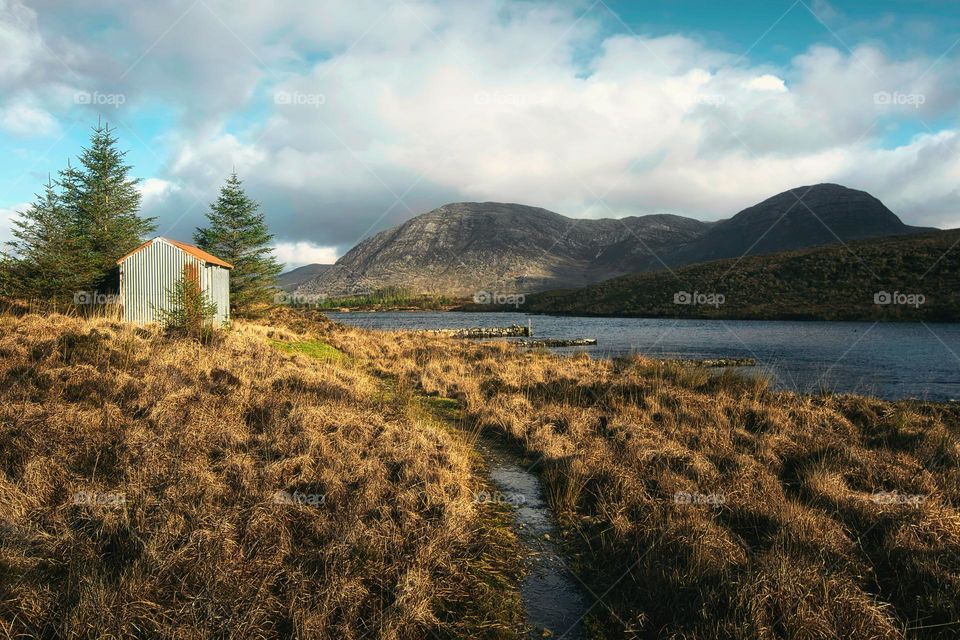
(88, 216)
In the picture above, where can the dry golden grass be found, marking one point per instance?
(798, 517)
(138, 484)
(708, 506)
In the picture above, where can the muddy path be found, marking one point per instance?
(553, 600)
(552, 597)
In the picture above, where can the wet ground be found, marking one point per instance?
(552, 596)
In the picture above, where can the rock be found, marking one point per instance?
(572, 342)
(483, 332)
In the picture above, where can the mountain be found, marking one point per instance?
(803, 217)
(292, 279)
(826, 283)
(464, 248)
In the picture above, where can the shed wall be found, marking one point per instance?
(147, 277)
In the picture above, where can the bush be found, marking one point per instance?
(191, 313)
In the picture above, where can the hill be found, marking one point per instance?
(800, 218)
(832, 283)
(463, 248)
(290, 280)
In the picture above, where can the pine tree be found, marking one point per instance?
(44, 257)
(238, 234)
(104, 202)
(190, 311)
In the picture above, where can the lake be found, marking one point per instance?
(887, 360)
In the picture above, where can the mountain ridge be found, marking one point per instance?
(461, 248)
(901, 278)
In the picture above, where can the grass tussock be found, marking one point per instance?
(155, 487)
(709, 506)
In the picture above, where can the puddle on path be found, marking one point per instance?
(551, 595)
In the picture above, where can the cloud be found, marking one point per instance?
(297, 254)
(343, 122)
(766, 82)
(7, 215)
(22, 119)
(155, 190)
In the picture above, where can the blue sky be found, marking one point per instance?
(345, 118)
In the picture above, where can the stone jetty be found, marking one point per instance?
(572, 342)
(714, 362)
(484, 332)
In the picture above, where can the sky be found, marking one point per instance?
(347, 117)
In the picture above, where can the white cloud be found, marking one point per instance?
(7, 216)
(25, 120)
(766, 82)
(155, 190)
(297, 254)
(427, 101)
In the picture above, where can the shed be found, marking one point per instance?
(149, 272)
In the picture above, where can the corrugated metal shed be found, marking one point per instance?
(149, 273)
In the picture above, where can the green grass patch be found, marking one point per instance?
(312, 348)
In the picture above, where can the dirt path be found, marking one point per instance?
(552, 599)
(551, 595)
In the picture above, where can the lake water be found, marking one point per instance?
(888, 360)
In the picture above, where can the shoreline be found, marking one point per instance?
(805, 320)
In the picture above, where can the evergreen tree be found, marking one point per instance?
(190, 311)
(238, 234)
(104, 202)
(69, 240)
(44, 257)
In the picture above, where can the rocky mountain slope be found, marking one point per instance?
(290, 280)
(467, 247)
(463, 248)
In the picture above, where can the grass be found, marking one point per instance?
(139, 484)
(139, 477)
(708, 505)
(312, 348)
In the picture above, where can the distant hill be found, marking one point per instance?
(800, 218)
(290, 280)
(831, 283)
(464, 248)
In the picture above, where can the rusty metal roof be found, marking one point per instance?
(196, 252)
